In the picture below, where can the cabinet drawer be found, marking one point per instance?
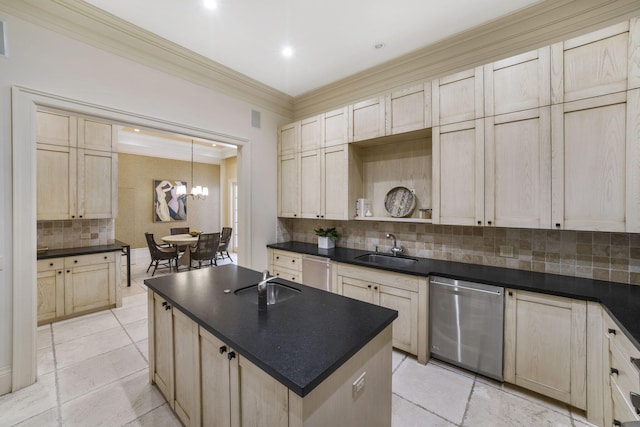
(381, 277)
(287, 260)
(625, 376)
(80, 260)
(287, 274)
(50, 264)
(622, 411)
(618, 337)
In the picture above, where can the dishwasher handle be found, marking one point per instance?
(467, 288)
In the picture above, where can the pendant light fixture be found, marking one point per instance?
(197, 191)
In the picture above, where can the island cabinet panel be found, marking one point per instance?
(161, 345)
(518, 83)
(518, 169)
(458, 173)
(215, 377)
(185, 368)
(262, 400)
(77, 168)
(545, 345)
(70, 286)
(596, 163)
(367, 119)
(403, 293)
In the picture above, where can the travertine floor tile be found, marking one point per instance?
(159, 417)
(83, 348)
(83, 326)
(29, 401)
(407, 414)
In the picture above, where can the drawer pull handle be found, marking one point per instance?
(615, 371)
(612, 331)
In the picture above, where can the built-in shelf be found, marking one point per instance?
(393, 219)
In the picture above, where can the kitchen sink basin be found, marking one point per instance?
(276, 293)
(387, 260)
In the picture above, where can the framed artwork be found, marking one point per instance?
(167, 205)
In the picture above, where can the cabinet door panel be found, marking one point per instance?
(335, 193)
(89, 287)
(310, 184)
(96, 177)
(336, 127)
(55, 129)
(367, 119)
(185, 359)
(96, 136)
(310, 134)
(216, 403)
(288, 186)
(458, 98)
(405, 327)
(50, 295)
(409, 109)
(56, 182)
(289, 141)
(162, 341)
(356, 289)
(263, 400)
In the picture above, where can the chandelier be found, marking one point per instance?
(198, 192)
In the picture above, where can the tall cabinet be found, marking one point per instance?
(77, 167)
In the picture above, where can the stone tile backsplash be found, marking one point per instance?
(598, 255)
(75, 233)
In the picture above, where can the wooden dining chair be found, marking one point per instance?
(179, 230)
(161, 256)
(225, 239)
(205, 249)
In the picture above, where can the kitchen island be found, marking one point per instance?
(315, 359)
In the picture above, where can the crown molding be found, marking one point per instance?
(541, 24)
(84, 22)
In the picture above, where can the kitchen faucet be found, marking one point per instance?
(262, 290)
(395, 250)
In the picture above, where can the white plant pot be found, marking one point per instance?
(325, 243)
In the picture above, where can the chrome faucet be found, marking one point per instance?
(262, 290)
(395, 250)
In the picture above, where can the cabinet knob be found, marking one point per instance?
(295, 214)
(369, 286)
(489, 222)
(223, 349)
(168, 307)
(479, 222)
(164, 303)
(611, 331)
(293, 260)
(617, 423)
(80, 216)
(293, 278)
(375, 288)
(615, 371)
(557, 225)
(510, 293)
(278, 274)
(231, 355)
(68, 271)
(75, 261)
(73, 216)
(59, 272)
(105, 257)
(277, 257)
(50, 264)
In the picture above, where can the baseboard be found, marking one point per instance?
(5, 380)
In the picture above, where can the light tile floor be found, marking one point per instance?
(93, 370)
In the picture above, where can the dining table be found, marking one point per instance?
(182, 240)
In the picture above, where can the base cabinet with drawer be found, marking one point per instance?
(545, 345)
(70, 286)
(404, 293)
(287, 265)
(622, 376)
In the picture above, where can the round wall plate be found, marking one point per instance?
(399, 202)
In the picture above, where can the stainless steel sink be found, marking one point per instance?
(387, 260)
(276, 293)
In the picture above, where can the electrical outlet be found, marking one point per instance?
(358, 385)
(506, 251)
(85, 235)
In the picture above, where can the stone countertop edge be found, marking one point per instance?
(85, 250)
(621, 301)
(299, 342)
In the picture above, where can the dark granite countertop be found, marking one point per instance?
(621, 301)
(300, 341)
(57, 253)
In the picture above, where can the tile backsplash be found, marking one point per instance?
(75, 233)
(598, 255)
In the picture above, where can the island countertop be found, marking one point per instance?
(299, 342)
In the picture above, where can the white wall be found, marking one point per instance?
(42, 60)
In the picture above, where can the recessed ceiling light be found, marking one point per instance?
(136, 130)
(210, 4)
(214, 145)
(287, 51)
(379, 45)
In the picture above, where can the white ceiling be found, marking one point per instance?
(331, 39)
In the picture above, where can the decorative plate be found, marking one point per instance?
(399, 202)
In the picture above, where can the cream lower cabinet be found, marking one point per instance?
(72, 286)
(404, 293)
(208, 384)
(287, 265)
(545, 345)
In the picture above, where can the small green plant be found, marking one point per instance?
(331, 233)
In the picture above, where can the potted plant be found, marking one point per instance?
(327, 237)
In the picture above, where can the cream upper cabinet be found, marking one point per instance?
(408, 109)
(458, 98)
(545, 345)
(458, 173)
(599, 63)
(335, 127)
(519, 83)
(517, 169)
(288, 186)
(311, 133)
(289, 139)
(337, 166)
(367, 119)
(596, 163)
(311, 184)
(76, 168)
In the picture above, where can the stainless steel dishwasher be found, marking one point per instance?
(466, 324)
(316, 272)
